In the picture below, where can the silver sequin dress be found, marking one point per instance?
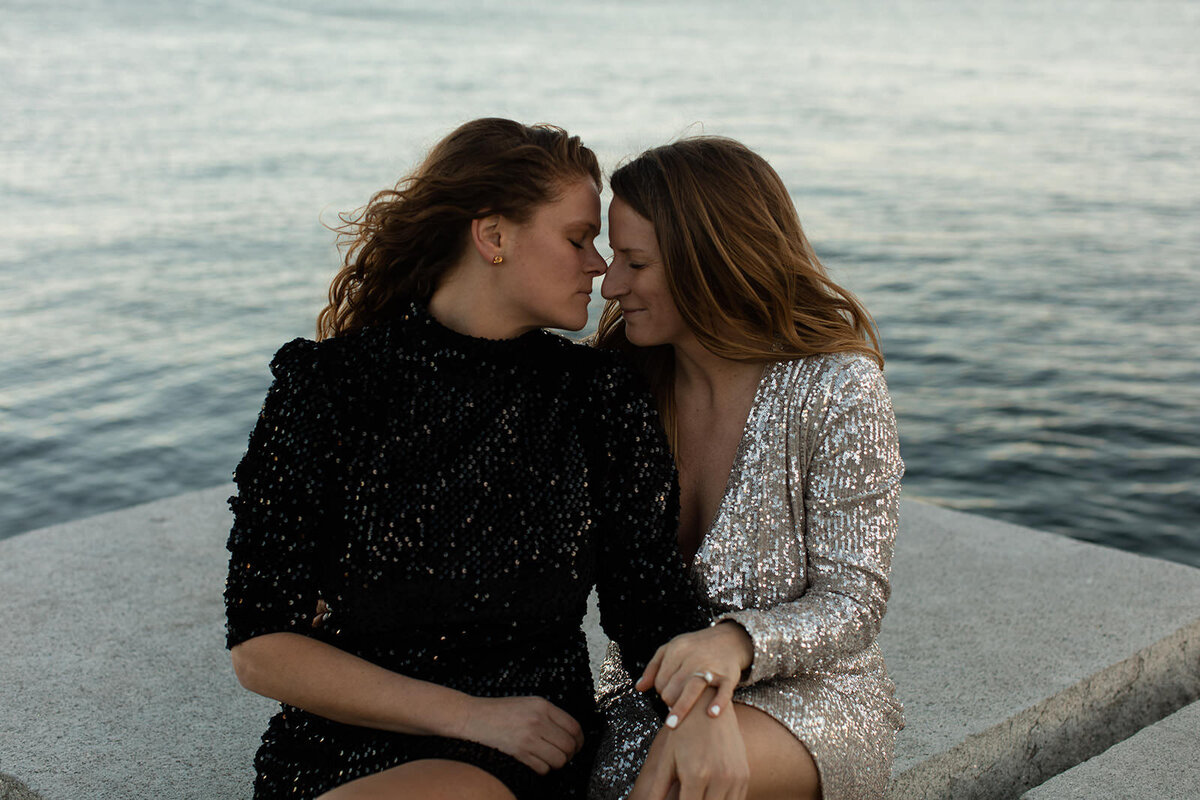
(798, 554)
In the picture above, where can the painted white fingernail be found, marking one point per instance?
(715, 710)
(672, 721)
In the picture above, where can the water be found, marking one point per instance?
(1012, 187)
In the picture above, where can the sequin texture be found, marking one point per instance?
(452, 500)
(799, 554)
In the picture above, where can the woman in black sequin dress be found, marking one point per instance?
(450, 480)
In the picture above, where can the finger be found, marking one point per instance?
(672, 686)
(668, 670)
(721, 786)
(553, 753)
(568, 724)
(558, 745)
(692, 787)
(651, 671)
(724, 697)
(657, 787)
(558, 728)
(534, 762)
(692, 689)
(657, 775)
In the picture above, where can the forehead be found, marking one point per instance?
(628, 229)
(578, 202)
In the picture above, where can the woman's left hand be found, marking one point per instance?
(690, 663)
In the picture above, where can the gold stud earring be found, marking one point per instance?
(497, 259)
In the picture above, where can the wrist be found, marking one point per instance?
(459, 708)
(739, 642)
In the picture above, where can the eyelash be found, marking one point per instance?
(632, 265)
(575, 244)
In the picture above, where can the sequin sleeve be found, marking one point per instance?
(279, 504)
(844, 471)
(644, 594)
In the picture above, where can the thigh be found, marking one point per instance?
(780, 765)
(429, 779)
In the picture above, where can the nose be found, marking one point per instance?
(615, 284)
(595, 265)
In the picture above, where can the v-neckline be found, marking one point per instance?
(735, 467)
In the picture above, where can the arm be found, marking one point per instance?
(278, 510)
(320, 678)
(644, 592)
(324, 680)
(276, 547)
(845, 467)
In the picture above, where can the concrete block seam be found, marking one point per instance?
(1065, 729)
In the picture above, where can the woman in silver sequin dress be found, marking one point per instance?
(768, 377)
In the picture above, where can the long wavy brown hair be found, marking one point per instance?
(738, 265)
(397, 248)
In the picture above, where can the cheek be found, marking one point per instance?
(665, 303)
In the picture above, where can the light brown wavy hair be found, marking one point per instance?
(397, 248)
(741, 271)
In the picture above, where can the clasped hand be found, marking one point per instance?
(683, 668)
(700, 759)
(532, 730)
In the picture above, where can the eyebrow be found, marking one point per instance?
(594, 230)
(627, 250)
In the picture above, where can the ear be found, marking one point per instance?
(487, 236)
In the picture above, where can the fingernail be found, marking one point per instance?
(672, 721)
(715, 710)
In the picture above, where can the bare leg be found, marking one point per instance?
(426, 779)
(781, 767)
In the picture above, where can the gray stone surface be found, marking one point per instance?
(116, 680)
(1161, 762)
(1004, 643)
(1019, 654)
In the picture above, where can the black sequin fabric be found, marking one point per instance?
(453, 500)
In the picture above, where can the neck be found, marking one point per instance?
(709, 379)
(465, 303)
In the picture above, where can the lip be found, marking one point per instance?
(627, 311)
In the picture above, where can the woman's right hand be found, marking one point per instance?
(532, 730)
(702, 758)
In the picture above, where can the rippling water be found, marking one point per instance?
(1012, 187)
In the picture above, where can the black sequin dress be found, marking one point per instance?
(453, 500)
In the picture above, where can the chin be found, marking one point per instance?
(638, 340)
(572, 323)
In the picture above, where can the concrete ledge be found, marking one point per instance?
(1162, 761)
(1018, 654)
(117, 683)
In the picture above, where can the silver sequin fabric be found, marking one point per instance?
(798, 554)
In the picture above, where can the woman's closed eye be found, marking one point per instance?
(632, 265)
